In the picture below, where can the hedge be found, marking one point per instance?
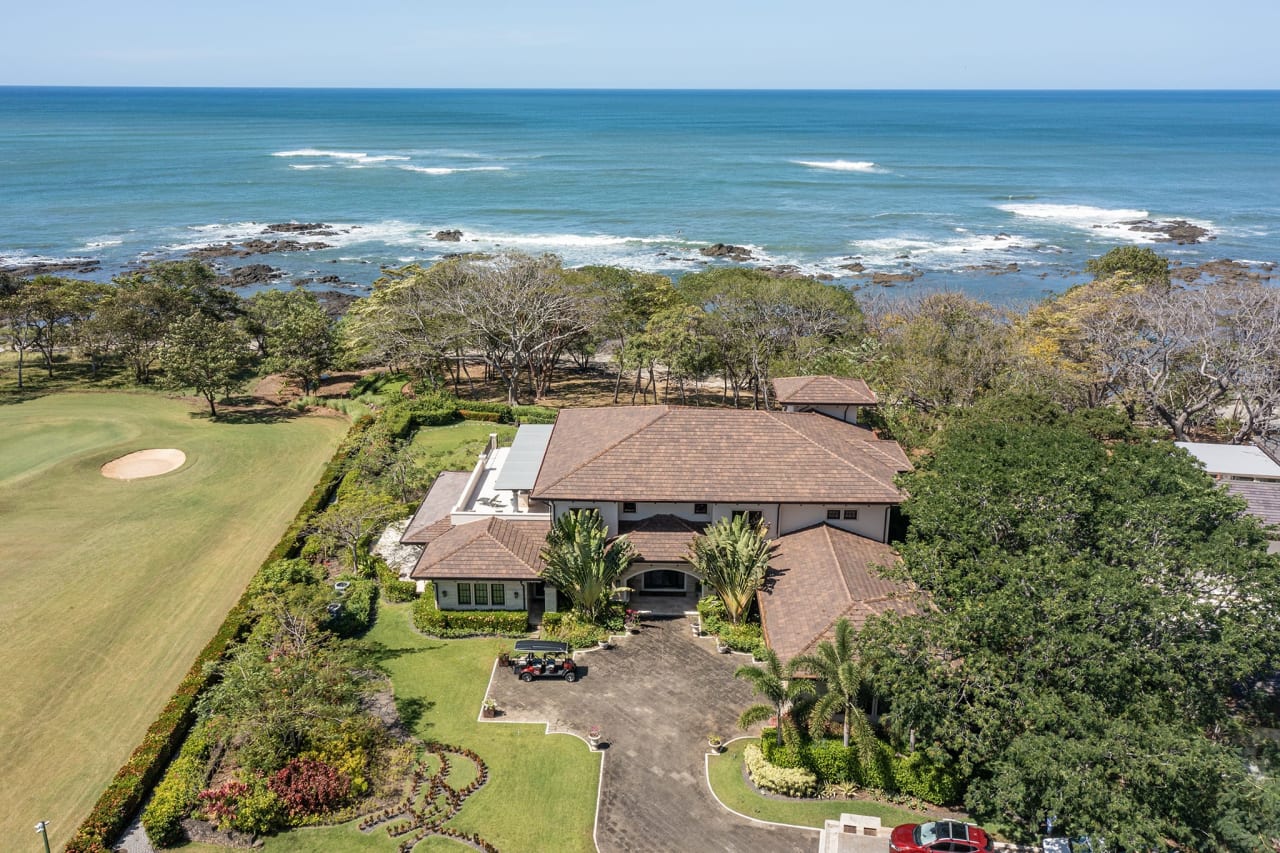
(393, 589)
(746, 637)
(788, 781)
(126, 791)
(831, 761)
(177, 791)
(534, 414)
(467, 623)
(359, 607)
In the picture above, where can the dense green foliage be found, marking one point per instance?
(1136, 262)
(773, 683)
(582, 563)
(1096, 610)
(178, 790)
(836, 664)
(206, 354)
(788, 781)
(731, 557)
(743, 637)
(429, 619)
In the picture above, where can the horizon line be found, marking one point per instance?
(609, 89)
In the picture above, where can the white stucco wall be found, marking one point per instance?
(608, 511)
(869, 523)
(770, 512)
(646, 510)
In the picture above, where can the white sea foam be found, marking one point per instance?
(449, 170)
(21, 260)
(358, 158)
(101, 243)
(959, 251)
(1109, 223)
(841, 165)
(303, 167)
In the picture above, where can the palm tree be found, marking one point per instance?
(731, 558)
(836, 664)
(581, 562)
(774, 685)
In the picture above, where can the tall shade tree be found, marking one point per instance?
(776, 686)
(732, 557)
(206, 354)
(295, 336)
(838, 667)
(349, 522)
(582, 563)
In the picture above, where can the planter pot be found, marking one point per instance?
(488, 712)
(697, 630)
(716, 746)
(504, 660)
(605, 644)
(594, 741)
(722, 648)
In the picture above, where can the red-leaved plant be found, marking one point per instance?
(310, 787)
(219, 804)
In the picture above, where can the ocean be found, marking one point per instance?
(1001, 194)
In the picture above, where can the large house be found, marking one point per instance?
(1248, 471)
(823, 486)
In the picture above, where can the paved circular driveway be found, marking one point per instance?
(655, 697)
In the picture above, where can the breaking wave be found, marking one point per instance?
(841, 165)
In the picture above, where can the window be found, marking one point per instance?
(699, 509)
(482, 595)
(754, 516)
(464, 593)
(497, 595)
(628, 507)
(850, 515)
(833, 514)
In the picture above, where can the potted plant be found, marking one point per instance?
(605, 644)
(489, 708)
(593, 737)
(721, 646)
(714, 741)
(632, 621)
(697, 629)
(504, 656)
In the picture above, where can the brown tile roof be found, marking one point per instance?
(673, 453)
(492, 548)
(1263, 498)
(818, 575)
(441, 498)
(823, 390)
(660, 538)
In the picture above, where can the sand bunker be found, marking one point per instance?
(144, 463)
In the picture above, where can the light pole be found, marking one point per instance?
(43, 828)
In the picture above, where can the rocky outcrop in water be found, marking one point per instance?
(313, 229)
(1178, 231)
(727, 250)
(71, 265)
(451, 235)
(1223, 271)
(252, 274)
(255, 246)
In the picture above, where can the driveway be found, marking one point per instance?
(655, 697)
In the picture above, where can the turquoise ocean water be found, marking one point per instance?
(936, 182)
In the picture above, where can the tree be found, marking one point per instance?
(18, 322)
(732, 557)
(1096, 610)
(1137, 263)
(206, 354)
(582, 563)
(295, 336)
(838, 667)
(776, 687)
(348, 523)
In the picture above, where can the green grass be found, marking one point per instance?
(456, 446)
(111, 588)
(541, 793)
(730, 785)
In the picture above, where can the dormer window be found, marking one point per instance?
(628, 507)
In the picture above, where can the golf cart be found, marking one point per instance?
(543, 659)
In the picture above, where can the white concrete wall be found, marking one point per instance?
(869, 523)
(770, 512)
(647, 510)
(447, 596)
(848, 414)
(608, 511)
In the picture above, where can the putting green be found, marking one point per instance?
(109, 588)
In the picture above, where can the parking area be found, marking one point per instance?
(655, 697)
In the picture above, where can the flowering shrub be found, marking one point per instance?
(306, 787)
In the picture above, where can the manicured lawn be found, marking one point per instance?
(731, 787)
(541, 793)
(110, 588)
(456, 446)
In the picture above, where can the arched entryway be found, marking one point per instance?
(662, 588)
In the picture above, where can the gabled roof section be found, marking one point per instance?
(1263, 498)
(673, 453)
(493, 548)
(823, 390)
(432, 517)
(660, 538)
(816, 576)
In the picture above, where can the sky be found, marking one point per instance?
(782, 44)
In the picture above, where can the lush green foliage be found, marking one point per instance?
(775, 685)
(837, 665)
(1137, 262)
(359, 606)
(1096, 611)
(788, 781)
(582, 563)
(429, 619)
(731, 557)
(393, 589)
(177, 791)
(206, 354)
(308, 787)
(294, 334)
(873, 764)
(570, 628)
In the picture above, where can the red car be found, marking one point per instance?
(943, 836)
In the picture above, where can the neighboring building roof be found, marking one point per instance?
(1263, 498)
(822, 390)
(1233, 460)
(441, 498)
(818, 575)
(520, 469)
(672, 453)
(492, 548)
(660, 538)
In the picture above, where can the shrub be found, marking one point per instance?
(177, 792)
(260, 812)
(279, 575)
(307, 787)
(467, 623)
(534, 414)
(578, 633)
(358, 608)
(434, 416)
(398, 420)
(916, 775)
(743, 638)
(393, 589)
(551, 621)
(788, 781)
(492, 417)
